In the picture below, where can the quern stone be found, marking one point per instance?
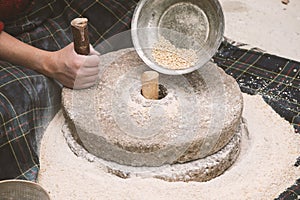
(197, 120)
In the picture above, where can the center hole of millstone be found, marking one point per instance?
(162, 92)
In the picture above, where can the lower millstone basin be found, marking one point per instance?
(192, 133)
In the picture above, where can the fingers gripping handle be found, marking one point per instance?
(80, 35)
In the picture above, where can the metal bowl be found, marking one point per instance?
(187, 24)
(19, 189)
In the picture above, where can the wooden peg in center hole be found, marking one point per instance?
(150, 86)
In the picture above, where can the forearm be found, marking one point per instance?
(65, 65)
(14, 51)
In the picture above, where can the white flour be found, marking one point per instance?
(263, 170)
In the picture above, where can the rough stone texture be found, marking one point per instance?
(200, 170)
(198, 117)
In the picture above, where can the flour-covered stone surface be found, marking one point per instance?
(198, 116)
(198, 170)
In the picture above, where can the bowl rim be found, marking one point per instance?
(26, 182)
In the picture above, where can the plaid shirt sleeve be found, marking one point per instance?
(1, 26)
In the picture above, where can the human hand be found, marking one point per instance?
(73, 70)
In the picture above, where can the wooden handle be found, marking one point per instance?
(150, 87)
(80, 36)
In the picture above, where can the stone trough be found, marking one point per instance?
(192, 133)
